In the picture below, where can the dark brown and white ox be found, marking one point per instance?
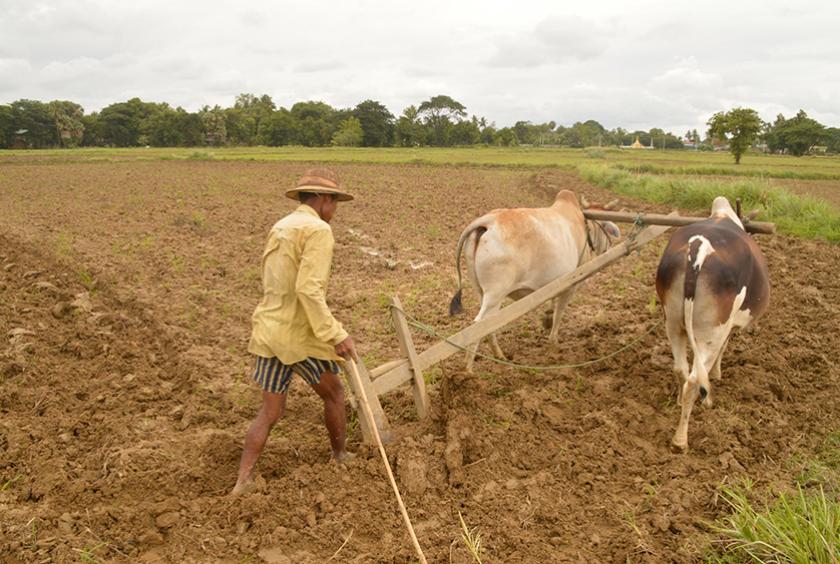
(712, 279)
(511, 253)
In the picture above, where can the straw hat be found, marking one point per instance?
(319, 181)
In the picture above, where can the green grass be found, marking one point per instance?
(712, 170)
(803, 216)
(8, 483)
(660, 162)
(472, 539)
(88, 553)
(800, 527)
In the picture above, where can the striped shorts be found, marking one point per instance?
(274, 376)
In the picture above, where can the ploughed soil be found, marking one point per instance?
(126, 293)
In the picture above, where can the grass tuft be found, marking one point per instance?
(803, 216)
(8, 483)
(798, 527)
(471, 538)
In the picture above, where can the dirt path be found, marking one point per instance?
(126, 295)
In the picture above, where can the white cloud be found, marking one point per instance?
(556, 39)
(14, 74)
(654, 63)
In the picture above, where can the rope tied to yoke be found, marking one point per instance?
(638, 225)
(436, 334)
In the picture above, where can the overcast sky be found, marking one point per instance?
(630, 63)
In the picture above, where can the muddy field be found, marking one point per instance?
(127, 290)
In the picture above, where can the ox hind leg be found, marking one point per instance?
(706, 360)
(715, 373)
(679, 349)
(690, 391)
(490, 305)
(560, 303)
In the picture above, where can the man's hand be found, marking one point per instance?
(347, 349)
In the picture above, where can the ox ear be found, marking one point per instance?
(612, 229)
(584, 203)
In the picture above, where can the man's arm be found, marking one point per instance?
(311, 288)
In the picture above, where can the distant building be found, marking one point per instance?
(20, 141)
(638, 145)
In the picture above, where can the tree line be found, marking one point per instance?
(440, 121)
(742, 128)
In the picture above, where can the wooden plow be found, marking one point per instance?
(411, 365)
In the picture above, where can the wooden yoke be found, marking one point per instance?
(674, 220)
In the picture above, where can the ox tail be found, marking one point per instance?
(698, 248)
(455, 306)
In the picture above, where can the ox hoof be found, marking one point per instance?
(679, 446)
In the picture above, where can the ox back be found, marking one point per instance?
(733, 262)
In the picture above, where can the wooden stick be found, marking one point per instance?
(354, 371)
(659, 219)
(421, 400)
(365, 384)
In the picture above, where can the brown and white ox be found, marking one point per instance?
(510, 253)
(711, 280)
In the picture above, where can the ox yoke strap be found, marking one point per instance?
(588, 241)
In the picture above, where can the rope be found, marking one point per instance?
(431, 331)
(638, 225)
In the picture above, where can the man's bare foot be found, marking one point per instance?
(342, 458)
(249, 486)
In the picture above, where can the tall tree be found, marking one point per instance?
(69, 126)
(377, 123)
(771, 134)
(122, 124)
(438, 112)
(215, 127)
(349, 134)
(174, 128)
(507, 137)
(409, 131)
(465, 132)
(833, 139)
(796, 135)
(739, 127)
(313, 123)
(280, 128)
(33, 117)
(92, 134)
(256, 110)
(7, 126)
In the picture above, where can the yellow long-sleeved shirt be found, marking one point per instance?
(293, 321)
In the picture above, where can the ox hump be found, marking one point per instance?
(566, 197)
(722, 208)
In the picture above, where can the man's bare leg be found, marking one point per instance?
(273, 408)
(335, 416)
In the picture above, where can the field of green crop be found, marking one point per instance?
(648, 161)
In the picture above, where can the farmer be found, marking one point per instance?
(293, 329)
